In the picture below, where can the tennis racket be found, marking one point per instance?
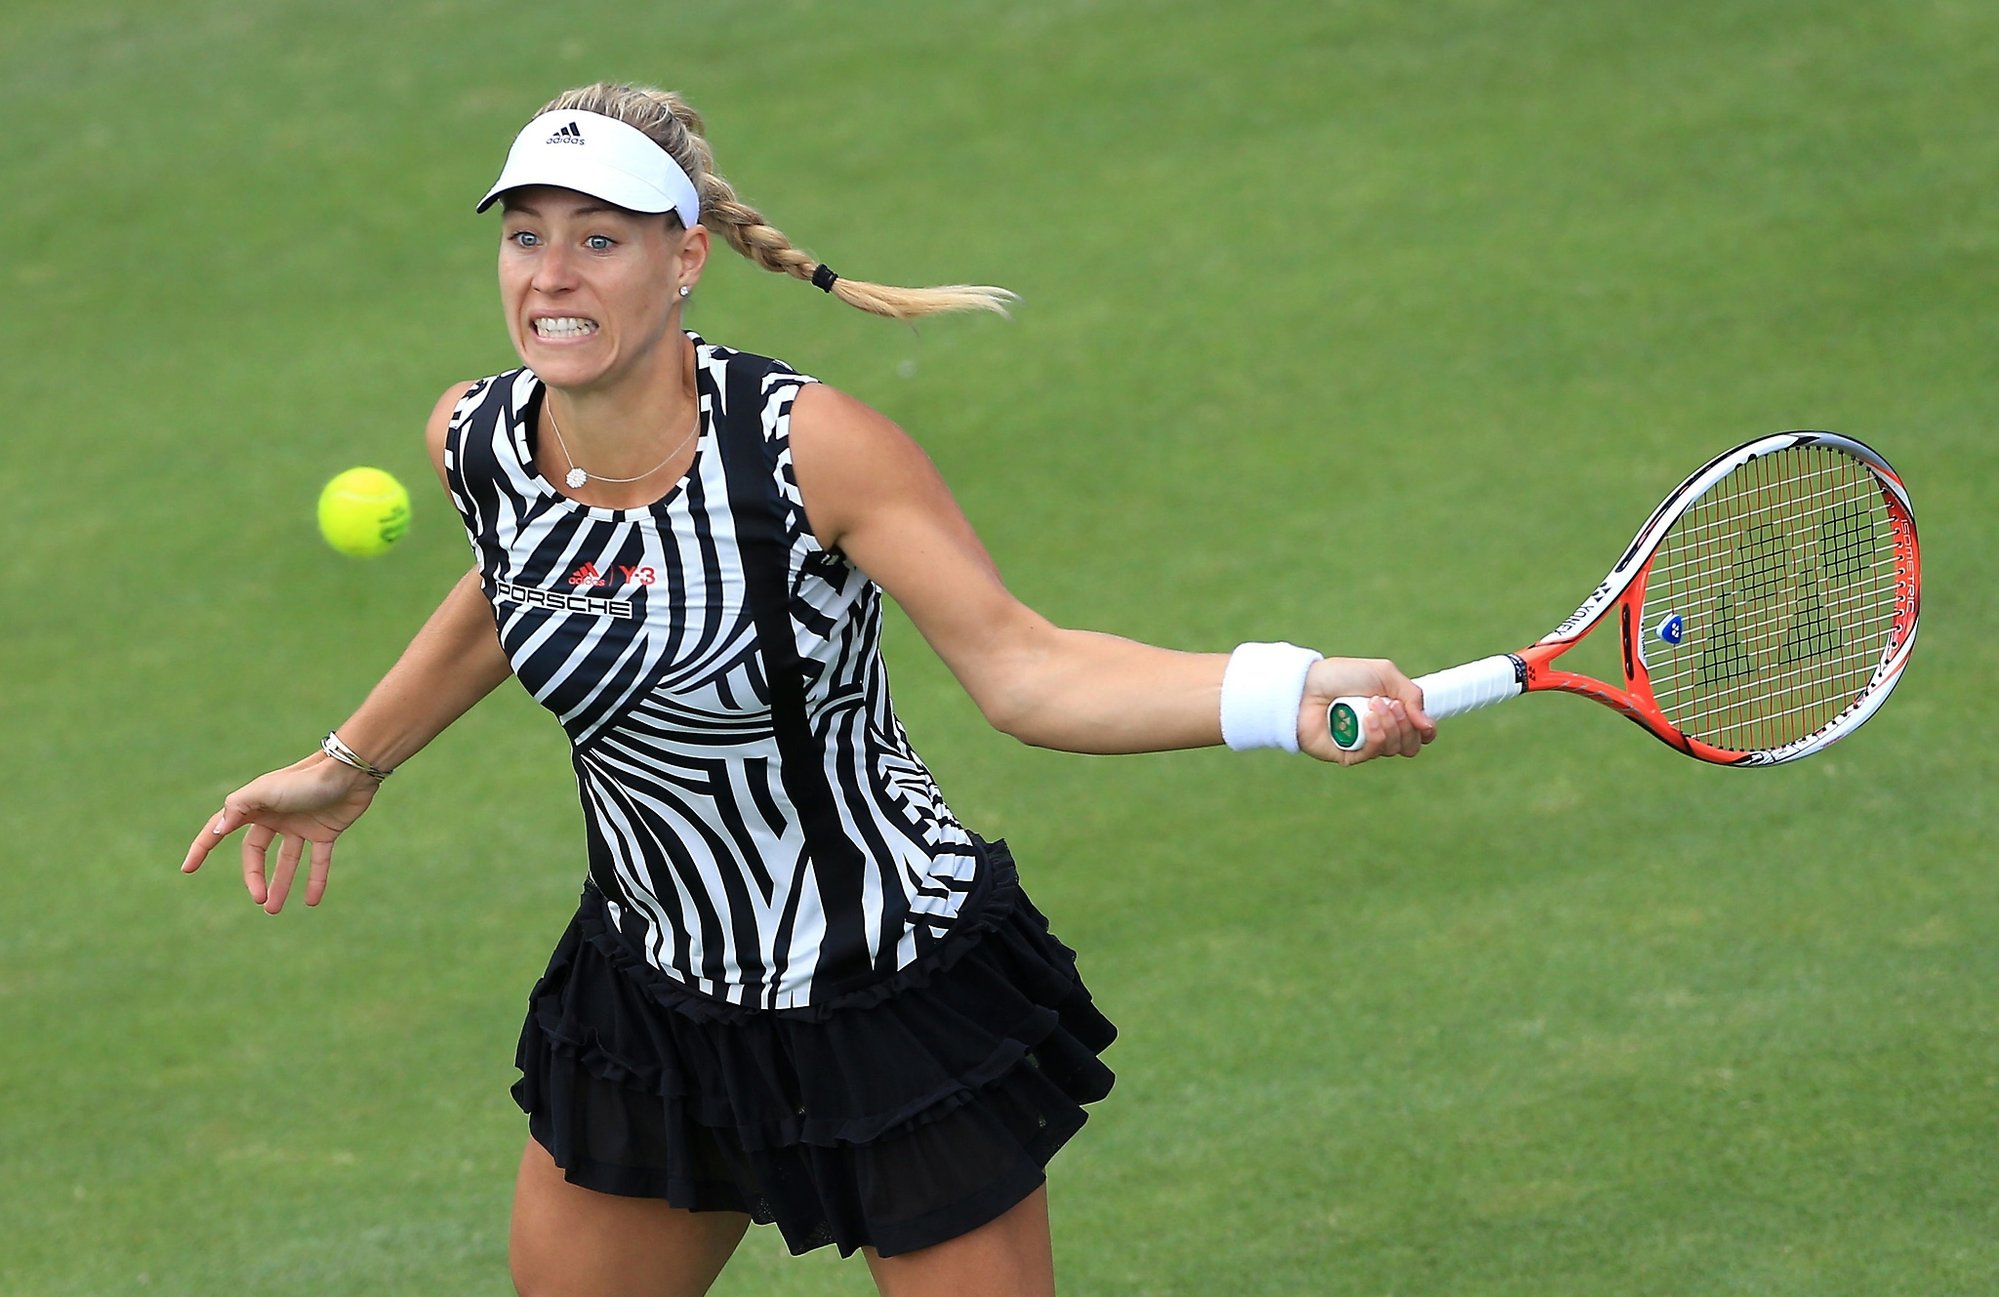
(1764, 611)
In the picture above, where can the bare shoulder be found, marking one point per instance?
(439, 424)
(824, 414)
(837, 436)
(852, 459)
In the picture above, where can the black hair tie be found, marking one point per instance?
(823, 277)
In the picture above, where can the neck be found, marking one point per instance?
(622, 429)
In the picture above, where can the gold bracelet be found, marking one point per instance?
(333, 747)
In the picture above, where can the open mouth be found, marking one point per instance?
(564, 326)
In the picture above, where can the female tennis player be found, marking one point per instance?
(797, 989)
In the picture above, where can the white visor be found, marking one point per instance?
(599, 156)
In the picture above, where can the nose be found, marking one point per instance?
(554, 269)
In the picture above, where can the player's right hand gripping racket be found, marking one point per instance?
(1764, 611)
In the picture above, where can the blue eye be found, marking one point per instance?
(523, 239)
(598, 243)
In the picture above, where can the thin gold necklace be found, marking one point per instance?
(577, 478)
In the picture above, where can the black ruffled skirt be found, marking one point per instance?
(896, 1116)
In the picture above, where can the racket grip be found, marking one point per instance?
(1450, 692)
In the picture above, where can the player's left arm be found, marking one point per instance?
(871, 493)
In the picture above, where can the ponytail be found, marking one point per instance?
(674, 125)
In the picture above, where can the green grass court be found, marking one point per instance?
(1374, 326)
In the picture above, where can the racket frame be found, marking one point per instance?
(1622, 593)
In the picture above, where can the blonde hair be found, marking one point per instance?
(670, 122)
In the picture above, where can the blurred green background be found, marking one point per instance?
(1370, 325)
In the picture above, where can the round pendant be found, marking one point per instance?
(577, 477)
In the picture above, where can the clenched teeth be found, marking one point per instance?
(564, 327)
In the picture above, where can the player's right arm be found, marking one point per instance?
(454, 661)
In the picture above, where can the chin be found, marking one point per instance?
(562, 367)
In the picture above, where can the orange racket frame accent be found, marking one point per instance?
(1533, 669)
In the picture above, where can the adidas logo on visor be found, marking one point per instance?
(569, 134)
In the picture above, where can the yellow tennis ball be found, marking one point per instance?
(363, 511)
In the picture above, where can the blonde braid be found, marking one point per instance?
(673, 124)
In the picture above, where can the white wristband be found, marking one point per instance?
(1261, 692)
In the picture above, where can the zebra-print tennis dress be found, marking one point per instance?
(757, 821)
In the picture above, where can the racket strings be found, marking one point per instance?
(1785, 581)
(1742, 558)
